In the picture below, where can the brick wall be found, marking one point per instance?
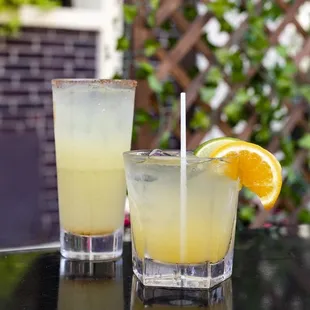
(27, 65)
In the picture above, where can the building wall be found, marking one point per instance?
(27, 65)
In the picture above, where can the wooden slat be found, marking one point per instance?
(182, 24)
(182, 47)
(288, 18)
(166, 8)
(305, 51)
(284, 6)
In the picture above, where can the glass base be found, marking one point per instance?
(219, 297)
(95, 248)
(193, 276)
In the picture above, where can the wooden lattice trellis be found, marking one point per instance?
(171, 65)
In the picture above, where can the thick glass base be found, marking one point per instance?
(193, 276)
(97, 248)
(219, 297)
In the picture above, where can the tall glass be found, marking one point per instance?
(171, 249)
(93, 125)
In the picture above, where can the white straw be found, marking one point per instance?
(183, 180)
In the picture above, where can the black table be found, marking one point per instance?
(271, 271)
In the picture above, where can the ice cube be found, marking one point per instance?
(158, 152)
(143, 178)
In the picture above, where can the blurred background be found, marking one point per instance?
(245, 66)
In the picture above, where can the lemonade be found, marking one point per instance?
(154, 197)
(93, 125)
(91, 193)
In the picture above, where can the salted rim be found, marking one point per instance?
(59, 83)
(143, 154)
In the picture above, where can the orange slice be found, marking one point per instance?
(258, 169)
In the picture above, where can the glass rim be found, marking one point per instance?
(59, 83)
(143, 154)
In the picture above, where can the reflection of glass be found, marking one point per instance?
(218, 298)
(93, 124)
(91, 286)
(203, 258)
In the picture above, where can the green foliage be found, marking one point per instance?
(304, 216)
(207, 93)
(200, 120)
(123, 44)
(11, 8)
(154, 83)
(256, 87)
(304, 142)
(247, 214)
(130, 12)
(150, 47)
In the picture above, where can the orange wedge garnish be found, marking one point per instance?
(258, 169)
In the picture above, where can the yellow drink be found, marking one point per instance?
(154, 197)
(91, 191)
(93, 125)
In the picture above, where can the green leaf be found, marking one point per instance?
(287, 146)
(233, 111)
(172, 42)
(135, 130)
(247, 194)
(237, 76)
(305, 91)
(150, 47)
(141, 117)
(304, 142)
(242, 96)
(151, 19)
(220, 7)
(144, 69)
(117, 76)
(304, 216)
(282, 51)
(200, 120)
(154, 4)
(130, 12)
(247, 214)
(263, 136)
(168, 89)
(291, 175)
(164, 140)
(207, 93)
(289, 69)
(225, 26)
(214, 75)
(190, 12)
(155, 84)
(123, 44)
(223, 55)
(167, 25)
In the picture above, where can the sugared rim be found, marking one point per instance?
(143, 155)
(59, 83)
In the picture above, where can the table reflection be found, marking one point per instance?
(218, 298)
(89, 285)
